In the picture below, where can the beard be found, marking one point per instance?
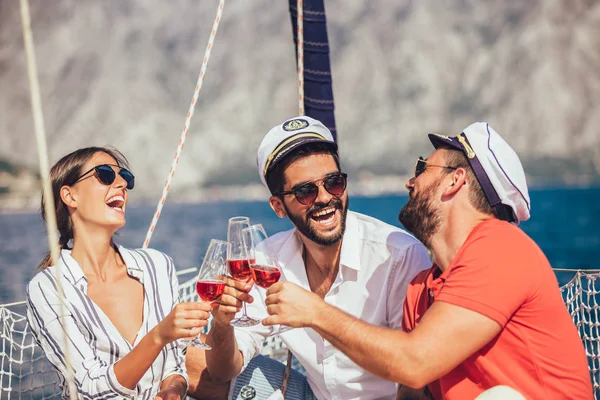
(307, 226)
(419, 215)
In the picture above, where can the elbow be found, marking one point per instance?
(418, 376)
(415, 371)
(415, 381)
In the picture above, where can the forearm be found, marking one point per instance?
(176, 383)
(382, 351)
(131, 368)
(202, 385)
(224, 361)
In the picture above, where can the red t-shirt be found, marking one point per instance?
(501, 273)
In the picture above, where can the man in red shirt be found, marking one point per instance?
(488, 313)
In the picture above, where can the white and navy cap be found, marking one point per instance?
(496, 166)
(290, 135)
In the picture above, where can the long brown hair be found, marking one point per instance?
(65, 172)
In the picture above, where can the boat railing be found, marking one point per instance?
(26, 374)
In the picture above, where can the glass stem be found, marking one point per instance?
(245, 315)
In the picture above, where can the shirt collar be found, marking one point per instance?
(73, 273)
(70, 268)
(133, 267)
(290, 255)
(435, 276)
(351, 243)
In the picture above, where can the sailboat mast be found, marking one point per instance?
(318, 89)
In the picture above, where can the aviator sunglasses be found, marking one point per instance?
(306, 193)
(106, 174)
(422, 164)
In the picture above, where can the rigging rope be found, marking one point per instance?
(186, 126)
(40, 136)
(300, 61)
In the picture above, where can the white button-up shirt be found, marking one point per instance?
(95, 344)
(377, 263)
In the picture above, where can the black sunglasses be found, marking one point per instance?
(106, 174)
(306, 193)
(421, 166)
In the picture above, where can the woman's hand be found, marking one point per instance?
(186, 320)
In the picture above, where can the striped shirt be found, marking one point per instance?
(95, 344)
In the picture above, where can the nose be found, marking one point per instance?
(410, 184)
(119, 182)
(323, 196)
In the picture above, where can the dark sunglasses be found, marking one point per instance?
(106, 174)
(306, 193)
(422, 164)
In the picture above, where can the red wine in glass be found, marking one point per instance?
(210, 290)
(209, 281)
(240, 269)
(265, 276)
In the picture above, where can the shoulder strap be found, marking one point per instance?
(286, 375)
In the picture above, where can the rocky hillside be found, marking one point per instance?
(122, 74)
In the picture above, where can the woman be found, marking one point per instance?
(122, 313)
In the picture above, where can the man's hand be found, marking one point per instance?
(172, 388)
(170, 393)
(288, 304)
(230, 302)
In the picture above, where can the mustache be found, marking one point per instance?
(337, 203)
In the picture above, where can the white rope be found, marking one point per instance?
(186, 126)
(40, 136)
(300, 60)
(300, 46)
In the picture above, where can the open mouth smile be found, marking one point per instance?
(116, 203)
(324, 216)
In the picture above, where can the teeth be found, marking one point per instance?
(324, 212)
(115, 198)
(116, 202)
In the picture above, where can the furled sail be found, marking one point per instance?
(318, 90)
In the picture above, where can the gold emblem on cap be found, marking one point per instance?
(295, 124)
(461, 138)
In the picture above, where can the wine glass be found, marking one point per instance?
(238, 262)
(263, 262)
(263, 266)
(210, 283)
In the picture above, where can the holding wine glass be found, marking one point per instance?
(238, 262)
(210, 283)
(263, 262)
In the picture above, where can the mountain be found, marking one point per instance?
(123, 73)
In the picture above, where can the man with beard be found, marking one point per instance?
(488, 316)
(352, 262)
